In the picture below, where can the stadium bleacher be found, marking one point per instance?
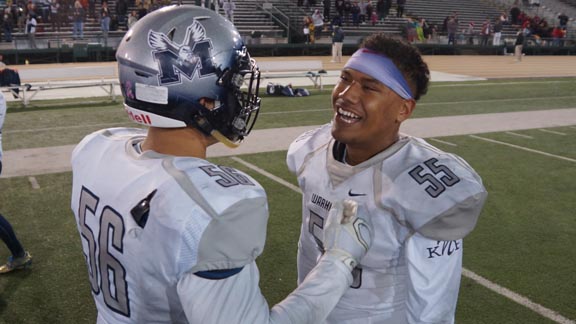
(280, 22)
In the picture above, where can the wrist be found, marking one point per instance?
(345, 258)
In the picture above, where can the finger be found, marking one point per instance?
(350, 209)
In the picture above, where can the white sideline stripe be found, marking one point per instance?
(493, 83)
(523, 148)
(491, 100)
(519, 135)
(267, 174)
(66, 127)
(552, 132)
(33, 182)
(443, 142)
(548, 313)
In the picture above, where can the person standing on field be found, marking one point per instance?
(169, 237)
(421, 200)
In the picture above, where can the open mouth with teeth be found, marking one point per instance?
(347, 116)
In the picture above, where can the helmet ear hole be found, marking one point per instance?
(207, 103)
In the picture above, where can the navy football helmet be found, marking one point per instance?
(176, 56)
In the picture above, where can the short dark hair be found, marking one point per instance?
(406, 57)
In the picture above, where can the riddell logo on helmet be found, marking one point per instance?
(139, 118)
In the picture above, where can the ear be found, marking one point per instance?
(406, 110)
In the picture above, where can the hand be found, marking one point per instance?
(346, 235)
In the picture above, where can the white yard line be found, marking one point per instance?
(523, 148)
(520, 135)
(546, 312)
(552, 132)
(443, 142)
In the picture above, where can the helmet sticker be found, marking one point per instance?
(152, 94)
(191, 56)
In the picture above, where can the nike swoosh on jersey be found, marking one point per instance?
(353, 194)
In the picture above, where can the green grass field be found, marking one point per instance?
(524, 240)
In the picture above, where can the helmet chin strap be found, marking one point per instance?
(223, 139)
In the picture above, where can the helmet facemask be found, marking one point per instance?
(233, 118)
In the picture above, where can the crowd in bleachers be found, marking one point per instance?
(61, 18)
(73, 15)
(537, 29)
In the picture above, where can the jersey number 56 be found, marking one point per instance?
(101, 264)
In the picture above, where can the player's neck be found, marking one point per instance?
(185, 141)
(356, 154)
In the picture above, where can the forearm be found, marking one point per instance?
(316, 296)
(238, 299)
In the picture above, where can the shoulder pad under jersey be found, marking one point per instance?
(307, 143)
(237, 206)
(439, 195)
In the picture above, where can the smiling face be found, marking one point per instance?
(367, 115)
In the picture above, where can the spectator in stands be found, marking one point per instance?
(497, 32)
(54, 19)
(8, 25)
(337, 41)
(336, 21)
(105, 19)
(380, 10)
(557, 36)
(485, 32)
(306, 25)
(400, 4)
(327, 10)
(434, 32)
(229, 6)
(78, 16)
(340, 8)
(452, 29)
(141, 11)
(362, 17)
(563, 20)
(504, 19)
(519, 44)
(419, 30)
(355, 12)
(426, 29)
(122, 11)
(470, 33)
(318, 20)
(369, 11)
(20, 258)
(92, 8)
(347, 11)
(515, 13)
(31, 30)
(410, 30)
(132, 19)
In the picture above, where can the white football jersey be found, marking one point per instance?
(421, 201)
(174, 239)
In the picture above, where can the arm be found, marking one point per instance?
(434, 270)
(236, 298)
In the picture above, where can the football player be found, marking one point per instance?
(422, 201)
(20, 259)
(169, 237)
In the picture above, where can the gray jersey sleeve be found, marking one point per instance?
(234, 237)
(238, 299)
